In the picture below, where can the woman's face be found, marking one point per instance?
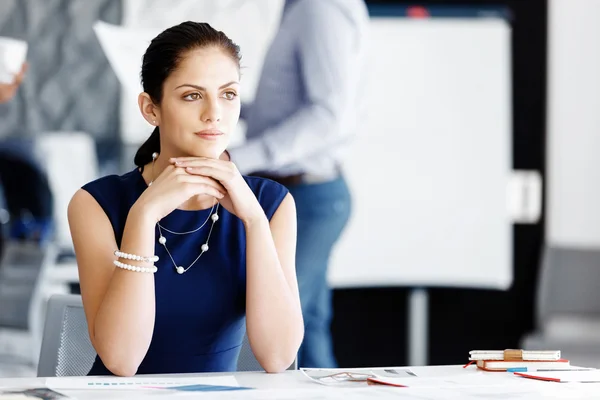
(201, 105)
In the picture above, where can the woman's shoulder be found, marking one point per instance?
(111, 189)
(115, 194)
(269, 193)
(113, 181)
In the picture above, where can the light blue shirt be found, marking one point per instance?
(309, 96)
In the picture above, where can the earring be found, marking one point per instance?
(154, 121)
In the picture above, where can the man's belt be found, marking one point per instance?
(297, 179)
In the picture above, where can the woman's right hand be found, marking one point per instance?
(173, 187)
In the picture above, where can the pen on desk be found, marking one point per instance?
(525, 369)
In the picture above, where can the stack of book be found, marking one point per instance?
(518, 360)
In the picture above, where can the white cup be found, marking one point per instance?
(12, 57)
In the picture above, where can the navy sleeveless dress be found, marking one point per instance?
(200, 315)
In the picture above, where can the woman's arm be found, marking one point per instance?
(119, 304)
(273, 313)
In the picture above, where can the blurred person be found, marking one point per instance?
(25, 210)
(177, 255)
(306, 107)
(8, 90)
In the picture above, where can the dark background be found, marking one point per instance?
(370, 325)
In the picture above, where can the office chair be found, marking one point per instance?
(568, 305)
(66, 347)
(23, 270)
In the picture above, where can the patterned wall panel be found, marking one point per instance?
(69, 85)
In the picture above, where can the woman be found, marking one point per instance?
(225, 243)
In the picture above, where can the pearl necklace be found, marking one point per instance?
(163, 240)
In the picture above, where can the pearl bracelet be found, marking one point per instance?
(128, 267)
(134, 257)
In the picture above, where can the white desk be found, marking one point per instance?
(294, 385)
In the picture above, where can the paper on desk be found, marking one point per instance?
(31, 393)
(450, 381)
(589, 376)
(316, 393)
(201, 388)
(320, 392)
(352, 376)
(136, 383)
(12, 57)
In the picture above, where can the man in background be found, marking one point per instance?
(306, 109)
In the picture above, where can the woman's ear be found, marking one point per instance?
(148, 109)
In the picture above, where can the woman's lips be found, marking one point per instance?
(210, 134)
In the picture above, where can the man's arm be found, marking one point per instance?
(328, 40)
(245, 110)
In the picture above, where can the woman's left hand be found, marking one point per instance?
(239, 199)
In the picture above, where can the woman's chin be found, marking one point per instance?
(214, 152)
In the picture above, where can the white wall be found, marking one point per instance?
(573, 162)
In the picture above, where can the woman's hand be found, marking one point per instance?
(239, 198)
(173, 187)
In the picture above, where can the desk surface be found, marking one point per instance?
(294, 385)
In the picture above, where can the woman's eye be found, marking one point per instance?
(230, 95)
(192, 96)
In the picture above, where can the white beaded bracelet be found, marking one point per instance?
(128, 267)
(134, 257)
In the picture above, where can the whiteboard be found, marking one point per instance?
(429, 169)
(573, 165)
